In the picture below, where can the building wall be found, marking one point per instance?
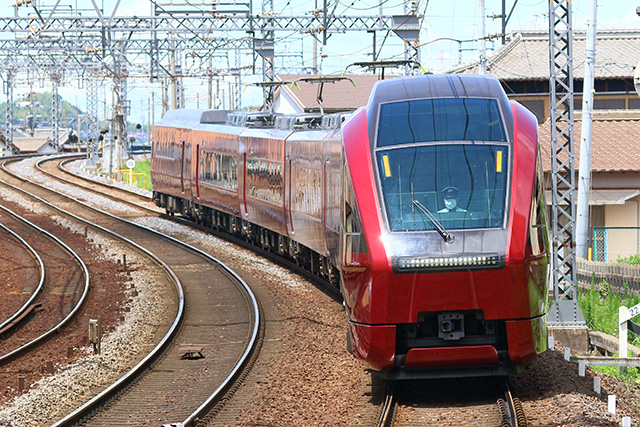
(622, 242)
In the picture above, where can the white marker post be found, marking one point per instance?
(624, 315)
(131, 164)
(612, 404)
(596, 385)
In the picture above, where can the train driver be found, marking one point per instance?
(450, 197)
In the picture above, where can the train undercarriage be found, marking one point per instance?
(257, 236)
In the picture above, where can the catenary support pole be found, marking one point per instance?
(584, 172)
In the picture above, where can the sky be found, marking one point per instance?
(444, 20)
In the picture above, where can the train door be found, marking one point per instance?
(287, 193)
(182, 161)
(244, 181)
(323, 211)
(197, 169)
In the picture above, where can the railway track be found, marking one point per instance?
(205, 350)
(492, 411)
(23, 289)
(58, 300)
(469, 402)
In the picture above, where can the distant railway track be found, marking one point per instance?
(221, 323)
(53, 304)
(34, 282)
(49, 166)
(472, 403)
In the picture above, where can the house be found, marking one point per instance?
(33, 145)
(339, 96)
(614, 199)
(522, 65)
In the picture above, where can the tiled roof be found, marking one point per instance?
(526, 56)
(615, 141)
(337, 96)
(30, 145)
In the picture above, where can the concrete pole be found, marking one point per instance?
(209, 84)
(482, 68)
(174, 79)
(149, 121)
(584, 174)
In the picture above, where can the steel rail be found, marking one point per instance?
(387, 407)
(62, 164)
(40, 286)
(40, 339)
(244, 358)
(514, 417)
(107, 195)
(155, 352)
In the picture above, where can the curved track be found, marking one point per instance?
(221, 318)
(66, 290)
(33, 280)
(49, 166)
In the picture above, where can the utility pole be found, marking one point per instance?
(209, 82)
(483, 40)
(55, 110)
(584, 178)
(174, 80)
(565, 311)
(9, 122)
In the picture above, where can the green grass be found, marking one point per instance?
(142, 168)
(631, 260)
(632, 375)
(600, 309)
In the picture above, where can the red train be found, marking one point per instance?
(425, 207)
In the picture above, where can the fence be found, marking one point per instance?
(122, 175)
(593, 272)
(609, 243)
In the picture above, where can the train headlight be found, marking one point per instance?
(425, 264)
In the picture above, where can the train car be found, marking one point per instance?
(445, 245)
(171, 158)
(424, 207)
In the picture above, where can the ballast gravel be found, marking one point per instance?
(315, 382)
(26, 169)
(52, 397)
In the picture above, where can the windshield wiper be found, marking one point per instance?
(439, 228)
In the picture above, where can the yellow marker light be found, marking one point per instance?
(387, 168)
(499, 161)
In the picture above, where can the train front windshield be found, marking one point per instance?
(443, 161)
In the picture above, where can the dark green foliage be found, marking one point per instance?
(600, 309)
(631, 260)
(41, 109)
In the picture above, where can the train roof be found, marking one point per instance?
(436, 86)
(189, 118)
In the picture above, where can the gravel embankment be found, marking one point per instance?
(313, 381)
(51, 397)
